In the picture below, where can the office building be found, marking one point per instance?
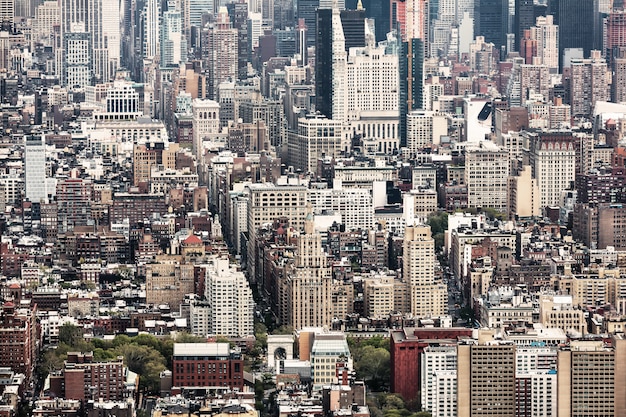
(424, 129)
(353, 25)
(491, 21)
(486, 173)
(206, 124)
(553, 159)
(315, 138)
(329, 352)
(330, 64)
(35, 169)
(373, 77)
(576, 24)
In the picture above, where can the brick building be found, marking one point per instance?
(19, 337)
(207, 366)
(406, 347)
(83, 379)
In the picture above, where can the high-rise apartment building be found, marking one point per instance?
(429, 298)
(618, 65)
(310, 282)
(486, 380)
(590, 378)
(268, 202)
(545, 34)
(231, 307)
(486, 173)
(615, 33)
(173, 42)
(553, 161)
(589, 84)
(219, 52)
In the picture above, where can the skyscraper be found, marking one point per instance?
(219, 51)
(589, 83)
(330, 64)
(306, 9)
(310, 283)
(85, 40)
(575, 20)
(353, 25)
(524, 19)
(173, 43)
(491, 21)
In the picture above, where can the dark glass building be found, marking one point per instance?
(491, 20)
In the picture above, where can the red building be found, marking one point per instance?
(83, 379)
(206, 366)
(406, 347)
(19, 337)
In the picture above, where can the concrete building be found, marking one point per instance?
(268, 202)
(428, 297)
(231, 306)
(589, 84)
(206, 124)
(552, 158)
(486, 173)
(309, 284)
(354, 205)
(424, 129)
(486, 380)
(523, 195)
(589, 376)
(316, 137)
(219, 52)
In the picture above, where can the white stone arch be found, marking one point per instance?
(276, 342)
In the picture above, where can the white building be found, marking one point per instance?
(206, 123)
(173, 42)
(35, 169)
(316, 137)
(353, 204)
(424, 129)
(438, 380)
(231, 306)
(372, 80)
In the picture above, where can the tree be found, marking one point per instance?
(373, 366)
(70, 334)
(284, 329)
(145, 361)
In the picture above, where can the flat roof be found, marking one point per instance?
(201, 349)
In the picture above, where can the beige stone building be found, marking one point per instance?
(168, 280)
(524, 195)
